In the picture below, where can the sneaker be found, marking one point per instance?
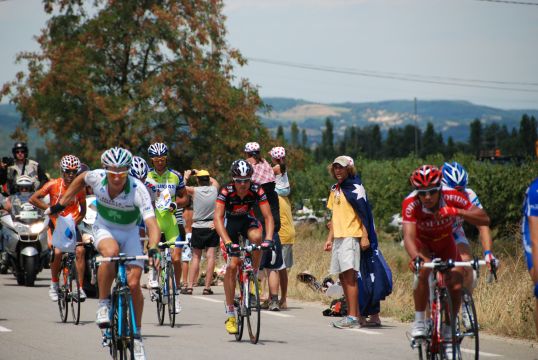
(418, 329)
(274, 305)
(177, 304)
(346, 323)
(103, 319)
(231, 325)
(53, 292)
(82, 294)
(466, 318)
(139, 353)
(152, 282)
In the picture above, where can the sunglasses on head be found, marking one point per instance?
(118, 173)
(431, 191)
(241, 180)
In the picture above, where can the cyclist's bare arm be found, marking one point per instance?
(269, 221)
(76, 186)
(35, 200)
(475, 216)
(533, 225)
(82, 212)
(485, 237)
(218, 219)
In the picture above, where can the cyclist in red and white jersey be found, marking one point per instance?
(429, 213)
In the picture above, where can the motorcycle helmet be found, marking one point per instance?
(19, 145)
(25, 183)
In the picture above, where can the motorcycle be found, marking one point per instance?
(24, 232)
(90, 272)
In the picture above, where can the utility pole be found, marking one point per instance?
(416, 130)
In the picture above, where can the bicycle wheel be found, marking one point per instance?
(171, 281)
(253, 308)
(448, 347)
(74, 293)
(63, 296)
(128, 321)
(160, 297)
(467, 330)
(114, 321)
(239, 305)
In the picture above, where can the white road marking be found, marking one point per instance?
(278, 314)
(369, 332)
(3, 329)
(207, 299)
(480, 352)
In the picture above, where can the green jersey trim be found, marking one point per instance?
(118, 216)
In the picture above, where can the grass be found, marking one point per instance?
(504, 307)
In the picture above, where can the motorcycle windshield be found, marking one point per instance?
(24, 212)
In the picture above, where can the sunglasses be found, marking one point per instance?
(241, 180)
(20, 152)
(121, 174)
(431, 191)
(70, 172)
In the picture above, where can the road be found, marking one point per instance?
(30, 328)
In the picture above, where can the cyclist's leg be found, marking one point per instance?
(80, 259)
(466, 255)
(55, 265)
(420, 293)
(134, 273)
(233, 228)
(105, 274)
(252, 228)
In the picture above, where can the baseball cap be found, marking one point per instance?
(201, 173)
(343, 160)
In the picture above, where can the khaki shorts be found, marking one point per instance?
(287, 255)
(346, 255)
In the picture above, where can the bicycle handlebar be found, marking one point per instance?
(445, 265)
(120, 258)
(168, 244)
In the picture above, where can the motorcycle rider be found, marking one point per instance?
(24, 166)
(70, 165)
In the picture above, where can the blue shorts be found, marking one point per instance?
(526, 240)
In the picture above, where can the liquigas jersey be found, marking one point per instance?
(168, 184)
(126, 209)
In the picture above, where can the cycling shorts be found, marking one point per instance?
(240, 225)
(128, 239)
(459, 236)
(168, 225)
(444, 252)
(526, 240)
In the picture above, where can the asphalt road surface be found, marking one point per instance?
(30, 328)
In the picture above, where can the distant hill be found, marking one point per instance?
(452, 118)
(9, 119)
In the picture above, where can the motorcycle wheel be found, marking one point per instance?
(30, 270)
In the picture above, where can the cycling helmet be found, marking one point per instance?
(277, 152)
(241, 168)
(117, 157)
(454, 175)
(252, 147)
(139, 168)
(426, 176)
(19, 145)
(69, 162)
(25, 181)
(157, 149)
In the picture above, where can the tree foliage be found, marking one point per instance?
(132, 72)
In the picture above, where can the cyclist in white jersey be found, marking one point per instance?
(121, 201)
(455, 176)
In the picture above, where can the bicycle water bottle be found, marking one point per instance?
(248, 264)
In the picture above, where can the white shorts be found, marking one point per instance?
(287, 255)
(346, 255)
(128, 240)
(459, 236)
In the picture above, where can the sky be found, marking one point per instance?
(375, 49)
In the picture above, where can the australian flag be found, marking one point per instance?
(375, 278)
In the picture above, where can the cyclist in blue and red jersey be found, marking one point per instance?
(529, 232)
(429, 213)
(235, 201)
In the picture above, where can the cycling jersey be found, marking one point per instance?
(530, 208)
(125, 209)
(237, 206)
(459, 233)
(55, 188)
(168, 184)
(433, 232)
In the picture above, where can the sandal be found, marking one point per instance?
(186, 291)
(207, 292)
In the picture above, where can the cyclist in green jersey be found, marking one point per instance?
(170, 194)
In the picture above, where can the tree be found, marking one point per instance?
(304, 139)
(527, 134)
(294, 134)
(327, 140)
(131, 72)
(475, 138)
(280, 135)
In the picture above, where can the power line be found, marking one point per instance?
(511, 2)
(473, 83)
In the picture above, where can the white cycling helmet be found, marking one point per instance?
(69, 162)
(252, 147)
(139, 168)
(117, 157)
(278, 152)
(157, 149)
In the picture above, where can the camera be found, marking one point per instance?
(193, 172)
(8, 161)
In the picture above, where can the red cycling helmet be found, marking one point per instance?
(426, 176)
